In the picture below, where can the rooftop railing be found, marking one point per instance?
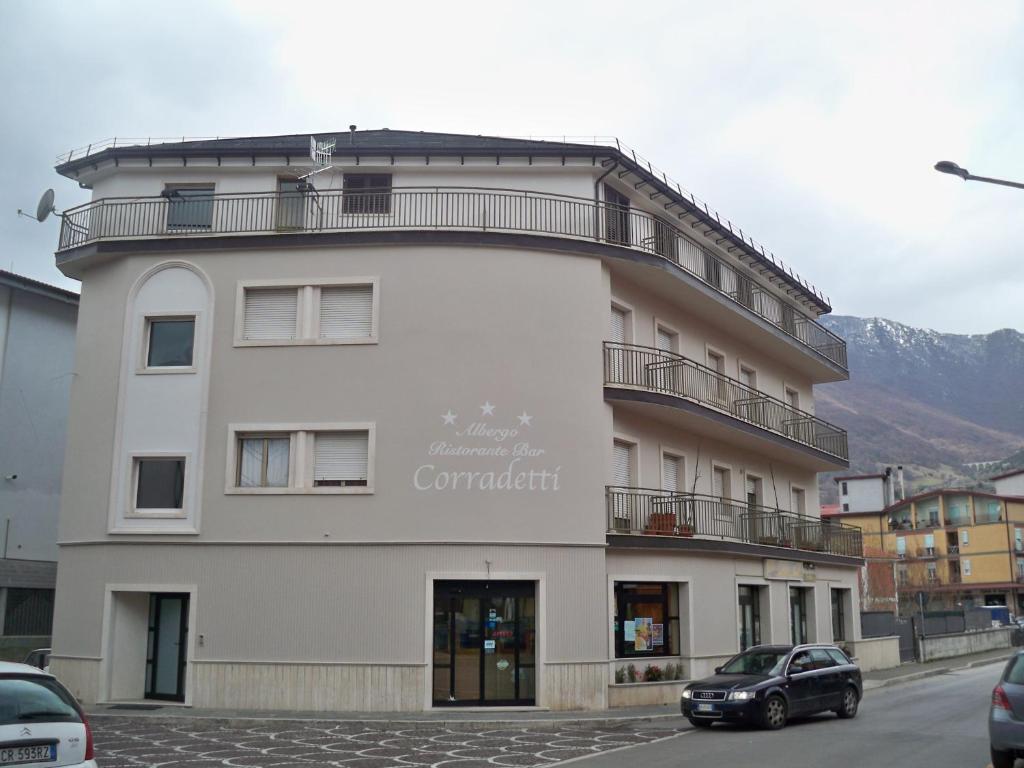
(668, 373)
(187, 213)
(653, 512)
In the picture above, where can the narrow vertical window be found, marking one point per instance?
(159, 483)
(170, 342)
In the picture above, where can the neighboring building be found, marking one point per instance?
(37, 354)
(473, 421)
(869, 493)
(957, 547)
(1009, 483)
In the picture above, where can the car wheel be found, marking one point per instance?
(1001, 759)
(773, 713)
(850, 701)
(698, 722)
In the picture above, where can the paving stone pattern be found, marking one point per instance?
(127, 742)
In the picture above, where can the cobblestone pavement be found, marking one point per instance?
(126, 742)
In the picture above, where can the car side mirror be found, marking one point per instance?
(718, 670)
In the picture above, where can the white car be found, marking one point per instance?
(41, 724)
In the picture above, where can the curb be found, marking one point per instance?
(872, 685)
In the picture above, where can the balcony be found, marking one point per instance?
(651, 512)
(926, 552)
(667, 373)
(441, 209)
(953, 550)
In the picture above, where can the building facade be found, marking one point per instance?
(37, 347)
(456, 421)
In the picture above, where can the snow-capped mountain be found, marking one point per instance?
(931, 401)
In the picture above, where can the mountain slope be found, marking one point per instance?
(930, 401)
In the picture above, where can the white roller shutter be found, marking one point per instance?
(670, 473)
(622, 465)
(618, 329)
(665, 340)
(270, 313)
(340, 457)
(719, 479)
(346, 312)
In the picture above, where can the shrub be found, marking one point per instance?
(653, 673)
(620, 675)
(631, 674)
(671, 671)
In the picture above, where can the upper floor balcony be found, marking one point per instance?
(195, 212)
(653, 512)
(673, 376)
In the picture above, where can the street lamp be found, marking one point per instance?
(946, 166)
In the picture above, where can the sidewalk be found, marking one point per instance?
(909, 672)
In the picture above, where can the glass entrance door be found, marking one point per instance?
(484, 643)
(165, 658)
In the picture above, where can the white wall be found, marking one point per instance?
(1011, 486)
(867, 495)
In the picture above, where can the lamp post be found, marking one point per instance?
(945, 166)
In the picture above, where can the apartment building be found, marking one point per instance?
(37, 345)
(456, 421)
(959, 547)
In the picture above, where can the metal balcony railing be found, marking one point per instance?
(653, 512)
(440, 208)
(669, 373)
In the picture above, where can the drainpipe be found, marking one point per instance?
(597, 200)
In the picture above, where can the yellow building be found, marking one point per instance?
(957, 546)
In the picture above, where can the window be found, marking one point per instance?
(189, 207)
(623, 464)
(820, 659)
(716, 361)
(712, 269)
(27, 612)
(903, 574)
(846, 489)
(366, 193)
(346, 311)
(672, 479)
(717, 386)
(901, 546)
(170, 342)
(341, 311)
(159, 483)
(666, 340)
(846, 507)
(1018, 539)
(721, 483)
(341, 459)
(799, 502)
(798, 615)
(619, 325)
(839, 614)
(965, 567)
(933, 573)
(750, 616)
(748, 376)
(793, 399)
(646, 619)
(263, 461)
(270, 313)
(291, 204)
(965, 538)
(616, 221)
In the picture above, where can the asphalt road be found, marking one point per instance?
(933, 723)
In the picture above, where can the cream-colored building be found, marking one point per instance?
(455, 421)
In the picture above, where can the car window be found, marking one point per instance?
(1015, 671)
(820, 659)
(837, 656)
(760, 662)
(25, 699)
(801, 662)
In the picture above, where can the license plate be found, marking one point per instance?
(705, 707)
(30, 753)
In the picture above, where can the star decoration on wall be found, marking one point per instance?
(449, 418)
(487, 409)
(525, 419)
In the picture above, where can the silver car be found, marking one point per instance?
(1006, 716)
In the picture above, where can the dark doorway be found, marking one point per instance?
(166, 649)
(484, 643)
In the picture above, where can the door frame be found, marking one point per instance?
(540, 654)
(107, 639)
(181, 662)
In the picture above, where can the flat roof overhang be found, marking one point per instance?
(726, 548)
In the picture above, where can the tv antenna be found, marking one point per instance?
(320, 153)
(43, 209)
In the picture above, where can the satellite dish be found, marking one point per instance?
(45, 207)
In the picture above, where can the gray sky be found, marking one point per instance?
(812, 126)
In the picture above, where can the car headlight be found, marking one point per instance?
(741, 695)
(687, 693)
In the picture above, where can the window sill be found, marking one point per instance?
(164, 370)
(304, 342)
(155, 530)
(156, 514)
(354, 490)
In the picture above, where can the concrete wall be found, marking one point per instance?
(875, 652)
(1011, 486)
(37, 365)
(948, 646)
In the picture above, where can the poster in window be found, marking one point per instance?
(657, 634)
(628, 630)
(643, 631)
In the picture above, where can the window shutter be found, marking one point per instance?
(901, 545)
(346, 312)
(622, 469)
(270, 313)
(964, 538)
(670, 473)
(618, 328)
(665, 340)
(929, 541)
(967, 567)
(341, 456)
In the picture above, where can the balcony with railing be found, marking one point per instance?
(308, 210)
(667, 373)
(652, 512)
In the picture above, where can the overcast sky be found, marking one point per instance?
(812, 126)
